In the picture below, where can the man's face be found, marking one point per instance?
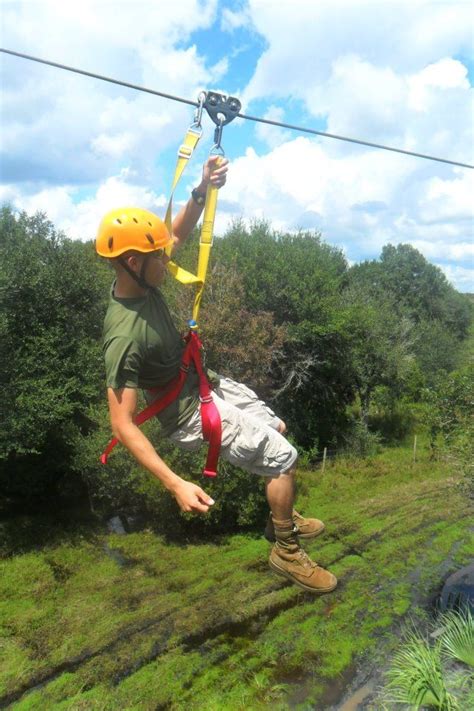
(155, 270)
(155, 266)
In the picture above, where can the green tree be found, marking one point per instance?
(52, 304)
(381, 346)
(282, 312)
(423, 289)
(420, 292)
(451, 419)
(298, 279)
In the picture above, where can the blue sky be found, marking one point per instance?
(397, 72)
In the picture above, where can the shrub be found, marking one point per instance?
(430, 672)
(360, 441)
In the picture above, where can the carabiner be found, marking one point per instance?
(198, 112)
(217, 148)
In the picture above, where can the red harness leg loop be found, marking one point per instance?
(210, 418)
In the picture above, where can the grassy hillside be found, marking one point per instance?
(101, 621)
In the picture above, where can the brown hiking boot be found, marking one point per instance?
(298, 567)
(306, 527)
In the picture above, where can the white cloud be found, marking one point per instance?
(72, 128)
(442, 250)
(114, 146)
(388, 73)
(232, 20)
(305, 37)
(109, 29)
(461, 278)
(360, 202)
(448, 199)
(219, 70)
(366, 76)
(391, 73)
(272, 135)
(445, 74)
(436, 251)
(79, 219)
(299, 175)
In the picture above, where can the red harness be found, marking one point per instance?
(210, 418)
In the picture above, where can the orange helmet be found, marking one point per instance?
(130, 228)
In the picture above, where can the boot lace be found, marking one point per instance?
(306, 560)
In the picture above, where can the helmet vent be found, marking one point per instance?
(150, 223)
(135, 220)
(150, 238)
(119, 220)
(111, 243)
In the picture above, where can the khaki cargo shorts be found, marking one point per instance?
(250, 439)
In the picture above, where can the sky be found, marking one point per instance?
(396, 72)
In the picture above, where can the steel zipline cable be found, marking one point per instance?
(257, 119)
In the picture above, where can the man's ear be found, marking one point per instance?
(132, 261)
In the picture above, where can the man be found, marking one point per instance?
(143, 349)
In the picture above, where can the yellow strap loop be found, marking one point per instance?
(205, 243)
(185, 152)
(182, 275)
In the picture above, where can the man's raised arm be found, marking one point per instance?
(214, 173)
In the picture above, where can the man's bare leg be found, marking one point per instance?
(281, 494)
(287, 558)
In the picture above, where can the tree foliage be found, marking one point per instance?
(52, 306)
(419, 292)
(298, 278)
(282, 312)
(451, 419)
(381, 345)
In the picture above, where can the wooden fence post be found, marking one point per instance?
(324, 457)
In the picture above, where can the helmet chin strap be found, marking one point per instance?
(139, 278)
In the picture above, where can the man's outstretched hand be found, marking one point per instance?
(191, 498)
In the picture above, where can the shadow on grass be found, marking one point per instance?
(55, 523)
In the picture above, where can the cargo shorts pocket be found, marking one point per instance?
(247, 401)
(253, 445)
(248, 447)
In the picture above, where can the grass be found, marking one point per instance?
(208, 626)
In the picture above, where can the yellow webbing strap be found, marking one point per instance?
(205, 244)
(185, 152)
(182, 275)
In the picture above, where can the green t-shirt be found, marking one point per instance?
(143, 349)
